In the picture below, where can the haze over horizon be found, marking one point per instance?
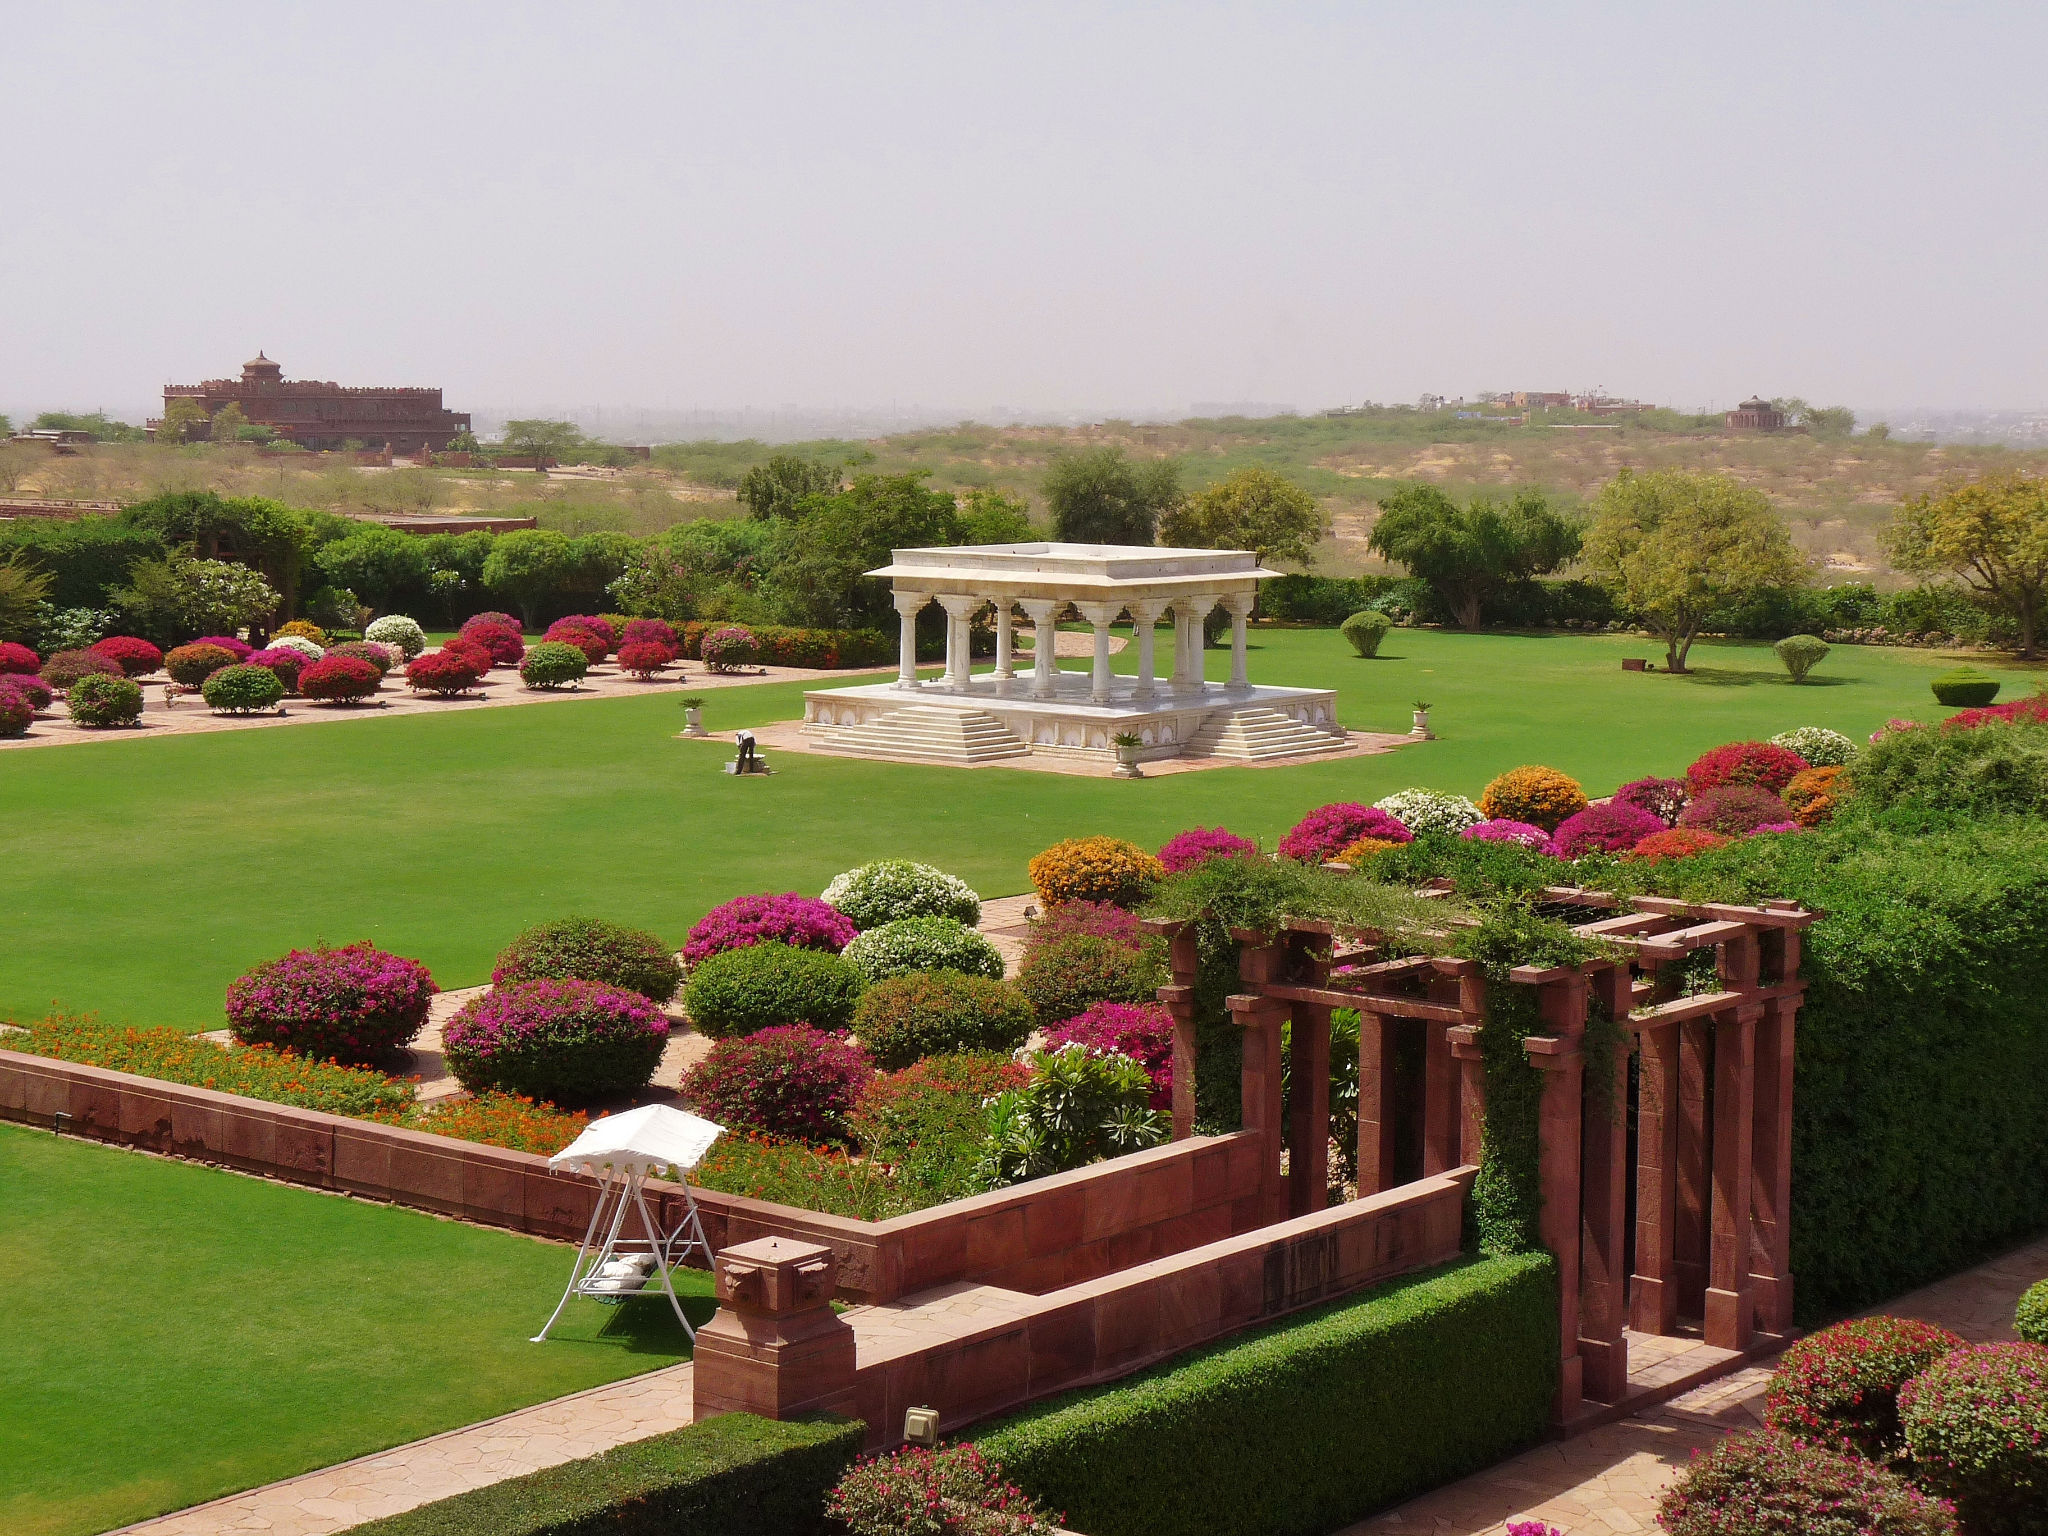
(1065, 210)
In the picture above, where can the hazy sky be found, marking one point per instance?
(1050, 207)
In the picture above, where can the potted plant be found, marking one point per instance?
(693, 716)
(1421, 728)
(1127, 744)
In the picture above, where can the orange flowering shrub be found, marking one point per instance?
(1543, 797)
(1812, 795)
(1363, 849)
(1095, 869)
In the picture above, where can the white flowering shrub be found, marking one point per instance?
(306, 648)
(889, 889)
(1429, 810)
(1818, 745)
(395, 629)
(923, 944)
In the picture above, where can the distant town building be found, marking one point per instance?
(1756, 415)
(1539, 399)
(1597, 404)
(316, 415)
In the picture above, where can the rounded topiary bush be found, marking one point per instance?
(729, 649)
(1736, 810)
(16, 713)
(191, 665)
(1760, 763)
(1821, 747)
(1328, 830)
(1541, 796)
(2030, 1319)
(591, 623)
(339, 680)
(1501, 829)
(382, 657)
(1839, 1388)
(18, 660)
(494, 619)
(1965, 688)
(1099, 918)
(588, 642)
(553, 664)
(1812, 795)
(1198, 845)
(475, 652)
(556, 1040)
(442, 672)
(1095, 869)
(1064, 977)
(902, 1019)
(135, 657)
(790, 1081)
(1366, 630)
(303, 629)
(286, 640)
(348, 1004)
(644, 658)
(395, 629)
(650, 632)
(740, 991)
(39, 694)
(234, 645)
(1609, 828)
(1677, 843)
(923, 944)
(1768, 1484)
(1800, 654)
(99, 701)
(590, 949)
(1976, 1425)
(1141, 1031)
(67, 667)
(1430, 810)
(285, 665)
(802, 922)
(887, 889)
(1662, 798)
(501, 641)
(242, 689)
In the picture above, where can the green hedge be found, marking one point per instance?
(85, 559)
(734, 1475)
(1309, 1423)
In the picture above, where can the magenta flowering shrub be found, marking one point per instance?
(1096, 919)
(650, 632)
(240, 649)
(1610, 828)
(1662, 798)
(1976, 1426)
(1768, 1484)
(802, 922)
(39, 694)
(285, 662)
(1736, 810)
(16, 713)
(729, 649)
(1329, 829)
(556, 1040)
(790, 1080)
(1141, 1031)
(1197, 845)
(348, 1004)
(1502, 830)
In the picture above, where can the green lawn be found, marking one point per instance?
(143, 875)
(173, 1333)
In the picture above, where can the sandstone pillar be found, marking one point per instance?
(775, 1348)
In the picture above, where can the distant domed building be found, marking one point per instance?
(316, 415)
(1756, 415)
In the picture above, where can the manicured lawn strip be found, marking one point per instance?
(145, 875)
(174, 1332)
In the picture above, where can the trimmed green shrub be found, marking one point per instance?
(241, 690)
(735, 1475)
(928, 1013)
(98, 700)
(2030, 1319)
(2000, 767)
(1064, 977)
(923, 944)
(1340, 1410)
(1801, 654)
(739, 991)
(1977, 1427)
(590, 949)
(1965, 688)
(553, 664)
(1366, 630)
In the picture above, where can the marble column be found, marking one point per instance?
(959, 609)
(1188, 614)
(1240, 606)
(1004, 671)
(1045, 661)
(1143, 617)
(1100, 616)
(909, 605)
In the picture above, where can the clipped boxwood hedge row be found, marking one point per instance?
(1305, 1424)
(735, 1475)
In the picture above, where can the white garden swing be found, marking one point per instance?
(621, 1152)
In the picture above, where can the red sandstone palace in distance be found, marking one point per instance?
(315, 415)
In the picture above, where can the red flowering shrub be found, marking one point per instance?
(1976, 1424)
(802, 922)
(382, 657)
(1609, 828)
(16, 713)
(902, 1018)
(192, 665)
(67, 667)
(920, 1492)
(1745, 762)
(1770, 1485)
(650, 632)
(442, 672)
(135, 657)
(556, 1039)
(593, 645)
(504, 644)
(2034, 707)
(1736, 810)
(349, 1004)
(339, 680)
(1839, 1388)
(1098, 919)
(729, 649)
(790, 1080)
(284, 662)
(644, 658)
(474, 650)
(596, 625)
(1328, 830)
(491, 618)
(242, 649)
(1141, 1031)
(1677, 843)
(1662, 798)
(40, 695)
(1184, 850)
(18, 660)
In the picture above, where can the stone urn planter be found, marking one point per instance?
(693, 717)
(1127, 749)
(1421, 731)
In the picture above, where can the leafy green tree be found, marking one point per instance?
(1098, 496)
(463, 442)
(1991, 535)
(1676, 546)
(543, 439)
(184, 421)
(98, 423)
(819, 576)
(773, 488)
(529, 566)
(991, 517)
(1252, 508)
(385, 568)
(23, 591)
(178, 597)
(278, 540)
(228, 423)
(1829, 420)
(6, 425)
(1470, 555)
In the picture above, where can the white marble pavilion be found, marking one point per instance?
(1039, 708)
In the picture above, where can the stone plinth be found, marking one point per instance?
(776, 1347)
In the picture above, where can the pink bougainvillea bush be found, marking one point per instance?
(2034, 707)
(593, 645)
(18, 660)
(503, 642)
(1839, 1388)
(1736, 810)
(556, 1040)
(39, 694)
(284, 662)
(1095, 919)
(802, 922)
(951, 1491)
(1141, 1031)
(240, 649)
(1976, 1427)
(339, 680)
(492, 618)
(349, 1004)
(1503, 830)
(1662, 798)
(1197, 845)
(16, 713)
(1766, 1484)
(135, 657)
(443, 672)
(644, 658)
(1745, 762)
(600, 627)
(729, 649)
(790, 1080)
(1609, 828)
(650, 632)
(1329, 829)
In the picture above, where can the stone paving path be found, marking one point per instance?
(1609, 1480)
